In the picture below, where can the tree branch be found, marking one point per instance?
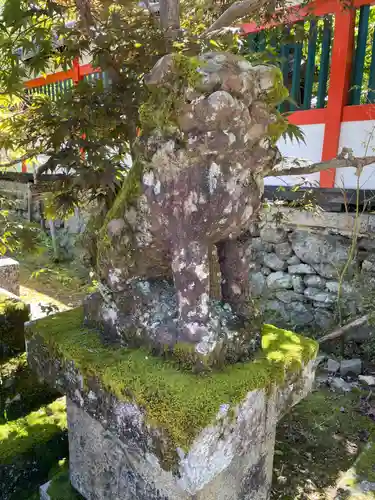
(294, 166)
(344, 329)
(237, 10)
(18, 160)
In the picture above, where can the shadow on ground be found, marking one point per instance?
(318, 441)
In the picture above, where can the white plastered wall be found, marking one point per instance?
(360, 136)
(311, 150)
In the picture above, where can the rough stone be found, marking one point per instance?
(333, 366)
(288, 296)
(257, 244)
(10, 275)
(283, 250)
(339, 384)
(324, 319)
(43, 491)
(320, 359)
(319, 296)
(350, 366)
(301, 269)
(273, 234)
(333, 286)
(257, 284)
(298, 284)
(279, 280)
(323, 305)
(266, 271)
(367, 266)
(315, 281)
(326, 253)
(300, 314)
(272, 261)
(367, 379)
(277, 312)
(293, 260)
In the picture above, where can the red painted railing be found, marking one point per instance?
(337, 109)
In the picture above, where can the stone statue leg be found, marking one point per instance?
(190, 266)
(234, 266)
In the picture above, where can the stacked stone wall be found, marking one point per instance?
(295, 274)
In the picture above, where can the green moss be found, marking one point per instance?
(20, 390)
(21, 436)
(129, 192)
(365, 465)
(180, 402)
(13, 315)
(161, 110)
(60, 487)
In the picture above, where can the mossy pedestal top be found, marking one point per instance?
(181, 402)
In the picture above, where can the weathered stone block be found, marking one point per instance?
(301, 269)
(283, 250)
(333, 366)
(314, 281)
(350, 366)
(319, 295)
(13, 315)
(326, 253)
(272, 261)
(293, 260)
(271, 234)
(140, 428)
(257, 284)
(10, 275)
(298, 284)
(279, 280)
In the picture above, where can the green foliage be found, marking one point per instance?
(163, 105)
(15, 233)
(294, 133)
(13, 315)
(181, 403)
(125, 42)
(20, 390)
(20, 436)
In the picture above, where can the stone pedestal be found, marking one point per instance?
(10, 275)
(139, 428)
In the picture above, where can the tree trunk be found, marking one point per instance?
(170, 18)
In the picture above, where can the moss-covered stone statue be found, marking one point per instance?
(148, 427)
(210, 125)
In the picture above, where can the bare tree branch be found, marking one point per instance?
(11, 163)
(303, 167)
(237, 10)
(344, 329)
(85, 12)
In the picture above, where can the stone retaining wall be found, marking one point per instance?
(296, 271)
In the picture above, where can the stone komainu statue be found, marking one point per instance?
(199, 187)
